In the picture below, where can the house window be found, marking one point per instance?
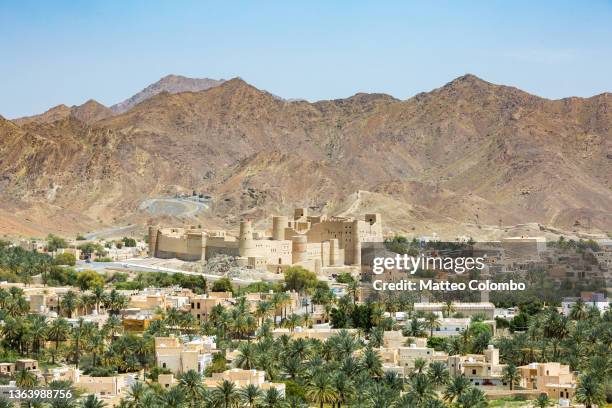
(164, 365)
(473, 372)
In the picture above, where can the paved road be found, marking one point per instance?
(177, 207)
(110, 232)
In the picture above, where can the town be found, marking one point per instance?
(287, 316)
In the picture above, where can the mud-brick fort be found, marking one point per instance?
(313, 242)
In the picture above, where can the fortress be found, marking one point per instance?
(313, 242)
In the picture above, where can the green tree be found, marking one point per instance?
(543, 401)
(65, 259)
(91, 401)
(438, 374)
(54, 243)
(472, 398)
(222, 285)
(173, 398)
(225, 395)
(320, 389)
(299, 279)
(89, 279)
(511, 375)
(250, 396)
(456, 387)
(69, 303)
(589, 391)
(420, 389)
(25, 379)
(272, 399)
(193, 388)
(58, 332)
(432, 322)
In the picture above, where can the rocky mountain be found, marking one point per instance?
(171, 84)
(89, 112)
(465, 156)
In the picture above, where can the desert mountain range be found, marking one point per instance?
(468, 153)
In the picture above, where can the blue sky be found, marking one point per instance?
(56, 52)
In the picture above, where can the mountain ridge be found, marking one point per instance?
(489, 153)
(169, 83)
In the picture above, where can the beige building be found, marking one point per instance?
(554, 379)
(486, 309)
(314, 242)
(395, 339)
(317, 333)
(202, 305)
(147, 300)
(401, 359)
(291, 307)
(480, 369)
(179, 357)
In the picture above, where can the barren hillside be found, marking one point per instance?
(468, 152)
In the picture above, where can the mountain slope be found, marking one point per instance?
(89, 112)
(171, 84)
(468, 152)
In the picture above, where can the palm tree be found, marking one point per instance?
(79, 336)
(589, 391)
(225, 395)
(38, 332)
(250, 396)
(472, 398)
(420, 389)
(320, 389)
(448, 308)
(112, 327)
(264, 310)
(246, 356)
(432, 321)
(98, 295)
(414, 328)
(293, 321)
(371, 362)
(69, 303)
(136, 395)
(393, 381)
(543, 401)
(511, 375)
(115, 301)
(344, 388)
(420, 364)
(578, 310)
(191, 385)
(273, 399)
(174, 398)
(92, 402)
(434, 403)
(292, 366)
(456, 387)
(58, 331)
(438, 374)
(25, 379)
(5, 403)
